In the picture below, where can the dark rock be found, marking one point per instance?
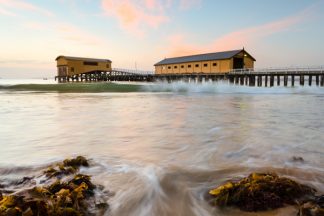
(24, 180)
(63, 197)
(311, 208)
(76, 162)
(56, 187)
(260, 192)
(297, 159)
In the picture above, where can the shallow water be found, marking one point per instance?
(159, 148)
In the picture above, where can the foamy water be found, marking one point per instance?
(158, 148)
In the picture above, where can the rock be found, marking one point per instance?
(76, 162)
(28, 212)
(24, 180)
(310, 209)
(297, 159)
(68, 167)
(64, 197)
(56, 187)
(68, 212)
(260, 192)
(13, 212)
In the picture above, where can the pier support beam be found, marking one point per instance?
(246, 80)
(259, 81)
(317, 80)
(278, 80)
(271, 80)
(310, 79)
(236, 80)
(292, 80)
(322, 80)
(301, 80)
(242, 80)
(266, 81)
(285, 80)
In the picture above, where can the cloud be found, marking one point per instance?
(188, 4)
(140, 16)
(22, 5)
(237, 39)
(136, 16)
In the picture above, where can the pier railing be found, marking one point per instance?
(132, 71)
(279, 70)
(251, 77)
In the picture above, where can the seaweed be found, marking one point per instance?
(261, 192)
(72, 197)
(68, 166)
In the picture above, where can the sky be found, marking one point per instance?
(139, 33)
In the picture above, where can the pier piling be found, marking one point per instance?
(248, 77)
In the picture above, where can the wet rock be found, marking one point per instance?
(297, 159)
(24, 180)
(312, 208)
(56, 187)
(68, 212)
(260, 192)
(76, 162)
(68, 167)
(69, 196)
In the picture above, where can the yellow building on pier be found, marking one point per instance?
(69, 66)
(219, 62)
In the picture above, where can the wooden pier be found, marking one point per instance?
(249, 77)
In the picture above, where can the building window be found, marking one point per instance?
(107, 66)
(214, 64)
(182, 66)
(169, 67)
(197, 65)
(175, 67)
(163, 67)
(72, 69)
(189, 66)
(205, 65)
(90, 63)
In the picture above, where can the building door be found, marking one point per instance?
(238, 63)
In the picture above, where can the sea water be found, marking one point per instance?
(158, 148)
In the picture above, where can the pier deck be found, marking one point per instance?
(249, 77)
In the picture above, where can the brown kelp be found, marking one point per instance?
(68, 193)
(266, 191)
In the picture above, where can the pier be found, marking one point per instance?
(268, 77)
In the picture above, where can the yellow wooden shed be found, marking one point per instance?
(69, 66)
(218, 62)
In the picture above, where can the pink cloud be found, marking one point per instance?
(238, 39)
(136, 16)
(22, 5)
(188, 4)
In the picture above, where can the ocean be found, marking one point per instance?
(159, 148)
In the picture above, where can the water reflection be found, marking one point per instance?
(159, 152)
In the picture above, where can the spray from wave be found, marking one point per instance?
(176, 87)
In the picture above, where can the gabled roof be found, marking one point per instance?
(202, 57)
(83, 59)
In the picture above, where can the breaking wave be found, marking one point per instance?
(177, 87)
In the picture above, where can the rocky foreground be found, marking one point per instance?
(62, 190)
(268, 191)
(65, 192)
